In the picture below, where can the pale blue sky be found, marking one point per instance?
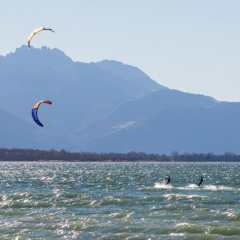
(193, 46)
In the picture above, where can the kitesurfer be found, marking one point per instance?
(167, 180)
(200, 181)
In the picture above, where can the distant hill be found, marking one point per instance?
(192, 130)
(81, 93)
(106, 107)
(18, 133)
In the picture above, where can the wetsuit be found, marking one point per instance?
(200, 181)
(167, 180)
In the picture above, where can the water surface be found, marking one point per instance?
(119, 201)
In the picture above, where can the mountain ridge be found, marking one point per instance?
(106, 106)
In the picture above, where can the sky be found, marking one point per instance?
(192, 46)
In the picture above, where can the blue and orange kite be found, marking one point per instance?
(35, 110)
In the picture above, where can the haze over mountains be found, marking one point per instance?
(106, 107)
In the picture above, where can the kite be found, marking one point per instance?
(36, 31)
(35, 110)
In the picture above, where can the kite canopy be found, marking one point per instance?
(35, 110)
(34, 32)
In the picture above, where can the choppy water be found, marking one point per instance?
(119, 201)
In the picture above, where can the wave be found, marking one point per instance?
(218, 188)
(195, 186)
(177, 234)
(207, 187)
(182, 196)
(163, 186)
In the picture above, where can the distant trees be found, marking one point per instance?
(53, 155)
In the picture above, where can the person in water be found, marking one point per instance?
(200, 181)
(167, 180)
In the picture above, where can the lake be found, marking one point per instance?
(119, 201)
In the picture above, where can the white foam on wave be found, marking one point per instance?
(195, 186)
(177, 234)
(231, 214)
(6, 201)
(115, 214)
(183, 224)
(217, 188)
(172, 195)
(206, 187)
(189, 187)
(93, 202)
(162, 186)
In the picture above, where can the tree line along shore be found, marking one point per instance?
(66, 156)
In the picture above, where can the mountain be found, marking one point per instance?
(131, 75)
(80, 89)
(106, 107)
(18, 133)
(136, 111)
(81, 93)
(192, 130)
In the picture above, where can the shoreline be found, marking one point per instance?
(107, 161)
(36, 155)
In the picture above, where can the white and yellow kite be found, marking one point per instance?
(34, 32)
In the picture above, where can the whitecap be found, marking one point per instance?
(183, 224)
(197, 196)
(189, 187)
(217, 188)
(177, 234)
(162, 186)
(114, 214)
(172, 195)
(231, 214)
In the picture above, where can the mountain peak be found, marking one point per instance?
(127, 72)
(44, 55)
(118, 67)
